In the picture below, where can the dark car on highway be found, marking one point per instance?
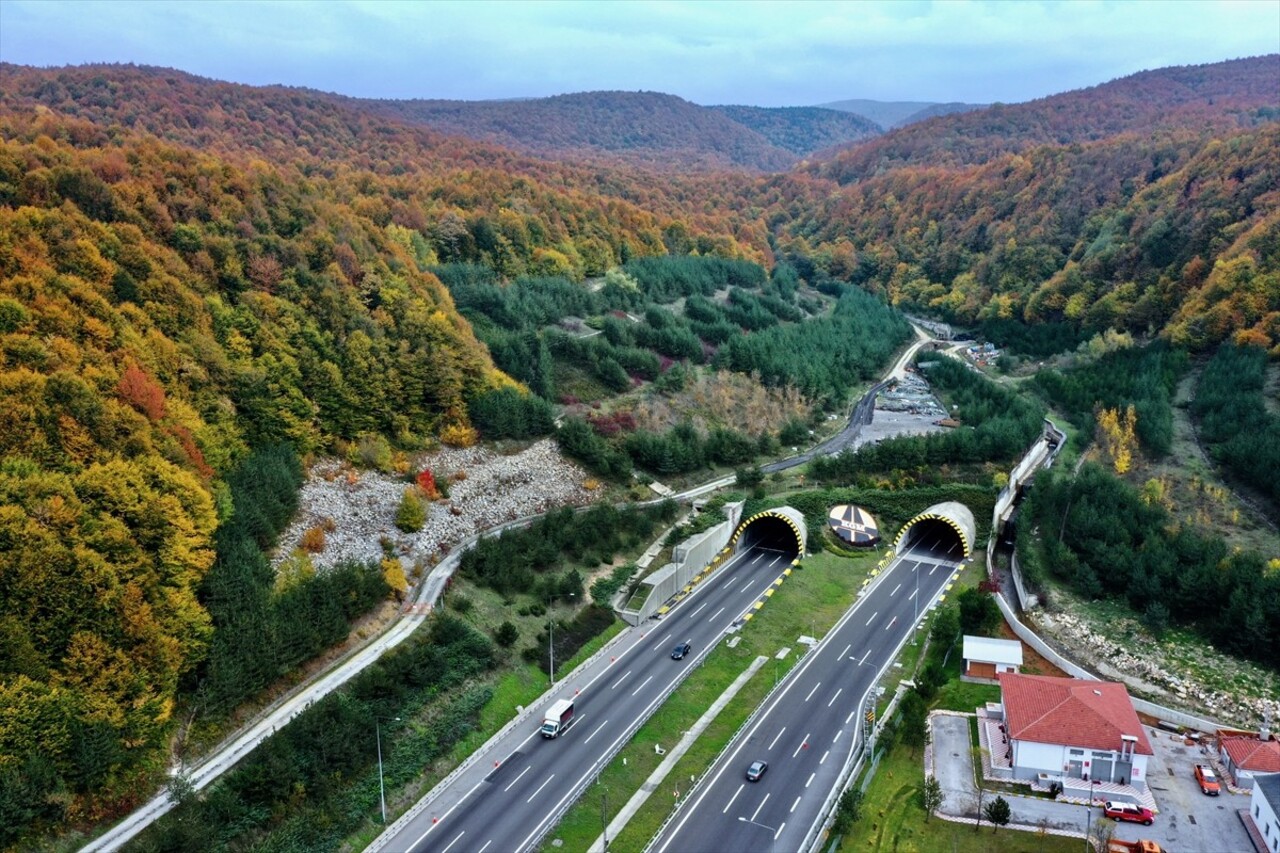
(681, 650)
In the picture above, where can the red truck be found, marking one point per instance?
(1207, 780)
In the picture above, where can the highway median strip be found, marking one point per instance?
(675, 754)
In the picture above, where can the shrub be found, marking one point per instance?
(372, 451)
(459, 435)
(506, 635)
(411, 515)
(393, 574)
(313, 540)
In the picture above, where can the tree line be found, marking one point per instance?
(315, 781)
(260, 632)
(1142, 377)
(521, 562)
(824, 357)
(1233, 420)
(1098, 535)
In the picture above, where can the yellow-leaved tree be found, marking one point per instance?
(1116, 434)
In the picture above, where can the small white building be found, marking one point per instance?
(987, 657)
(1070, 729)
(1264, 810)
(1247, 757)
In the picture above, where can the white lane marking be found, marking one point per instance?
(802, 745)
(734, 797)
(517, 779)
(835, 697)
(824, 756)
(895, 590)
(811, 775)
(699, 610)
(873, 616)
(779, 832)
(445, 815)
(486, 846)
(454, 841)
(912, 595)
(846, 650)
(813, 691)
(641, 687)
(621, 678)
(892, 622)
(596, 732)
(717, 613)
(663, 641)
(778, 735)
(540, 787)
(759, 807)
(837, 737)
(850, 717)
(934, 569)
(864, 657)
(796, 803)
(730, 582)
(677, 828)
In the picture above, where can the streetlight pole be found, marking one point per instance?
(382, 790)
(551, 638)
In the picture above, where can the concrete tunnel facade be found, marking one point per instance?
(952, 517)
(782, 528)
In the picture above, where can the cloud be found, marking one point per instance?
(765, 53)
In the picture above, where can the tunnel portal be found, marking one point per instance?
(778, 529)
(941, 526)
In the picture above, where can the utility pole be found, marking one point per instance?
(382, 791)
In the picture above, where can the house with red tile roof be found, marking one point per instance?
(1067, 728)
(1249, 755)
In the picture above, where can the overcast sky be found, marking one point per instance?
(767, 54)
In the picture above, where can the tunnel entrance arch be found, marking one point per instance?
(781, 528)
(948, 523)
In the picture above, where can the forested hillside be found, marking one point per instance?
(803, 130)
(169, 306)
(1213, 98)
(649, 128)
(200, 282)
(1170, 231)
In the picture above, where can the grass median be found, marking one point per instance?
(809, 602)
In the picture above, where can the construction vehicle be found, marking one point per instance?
(558, 718)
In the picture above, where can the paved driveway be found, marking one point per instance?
(953, 765)
(1188, 820)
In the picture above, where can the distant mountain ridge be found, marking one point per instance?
(647, 128)
(1202, 97)
(893, 114)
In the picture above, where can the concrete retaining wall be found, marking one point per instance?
(688, 559)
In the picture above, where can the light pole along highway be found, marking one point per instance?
(508, 801)
(811, 727)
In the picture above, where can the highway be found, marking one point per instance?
(807, 732)
(509, 807)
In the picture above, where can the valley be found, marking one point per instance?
(279, 365)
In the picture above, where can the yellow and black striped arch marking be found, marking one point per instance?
(933, 516)
(768, 512)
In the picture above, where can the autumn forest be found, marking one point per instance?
(204, 286)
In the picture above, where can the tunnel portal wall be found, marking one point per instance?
(954, 514)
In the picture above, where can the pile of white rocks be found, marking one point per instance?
(485, 489)
(1148, 670)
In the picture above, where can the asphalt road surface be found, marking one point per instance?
(509, 808)
(807, 732)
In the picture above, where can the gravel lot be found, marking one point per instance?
(1188, 820)
(363, 504)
